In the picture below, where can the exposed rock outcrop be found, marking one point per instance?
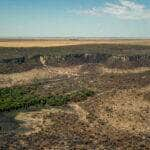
(113, 61)
(18, 60)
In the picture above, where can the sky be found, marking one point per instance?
(75, 18)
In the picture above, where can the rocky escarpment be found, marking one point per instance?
(18, 64)
(113, 61)
(17, 60)
(112, 56)
(76, 59)
(128, 61)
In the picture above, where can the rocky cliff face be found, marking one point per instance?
(76, 59)
(129, 61)
(18, 60)
(114, 61)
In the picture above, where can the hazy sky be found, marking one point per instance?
(84, 18)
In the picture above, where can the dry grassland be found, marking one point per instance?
(67, 42)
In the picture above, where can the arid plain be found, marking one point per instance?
(65, 42)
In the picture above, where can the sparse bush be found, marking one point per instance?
(80, 95)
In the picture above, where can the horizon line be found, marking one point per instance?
(69, 37)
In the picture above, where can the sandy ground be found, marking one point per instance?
(65, 42)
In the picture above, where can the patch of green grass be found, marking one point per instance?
(81, 95)
(21, 97)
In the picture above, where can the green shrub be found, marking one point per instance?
(81, 95)
(21, 97)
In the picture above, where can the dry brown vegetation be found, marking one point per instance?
(65, 42)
